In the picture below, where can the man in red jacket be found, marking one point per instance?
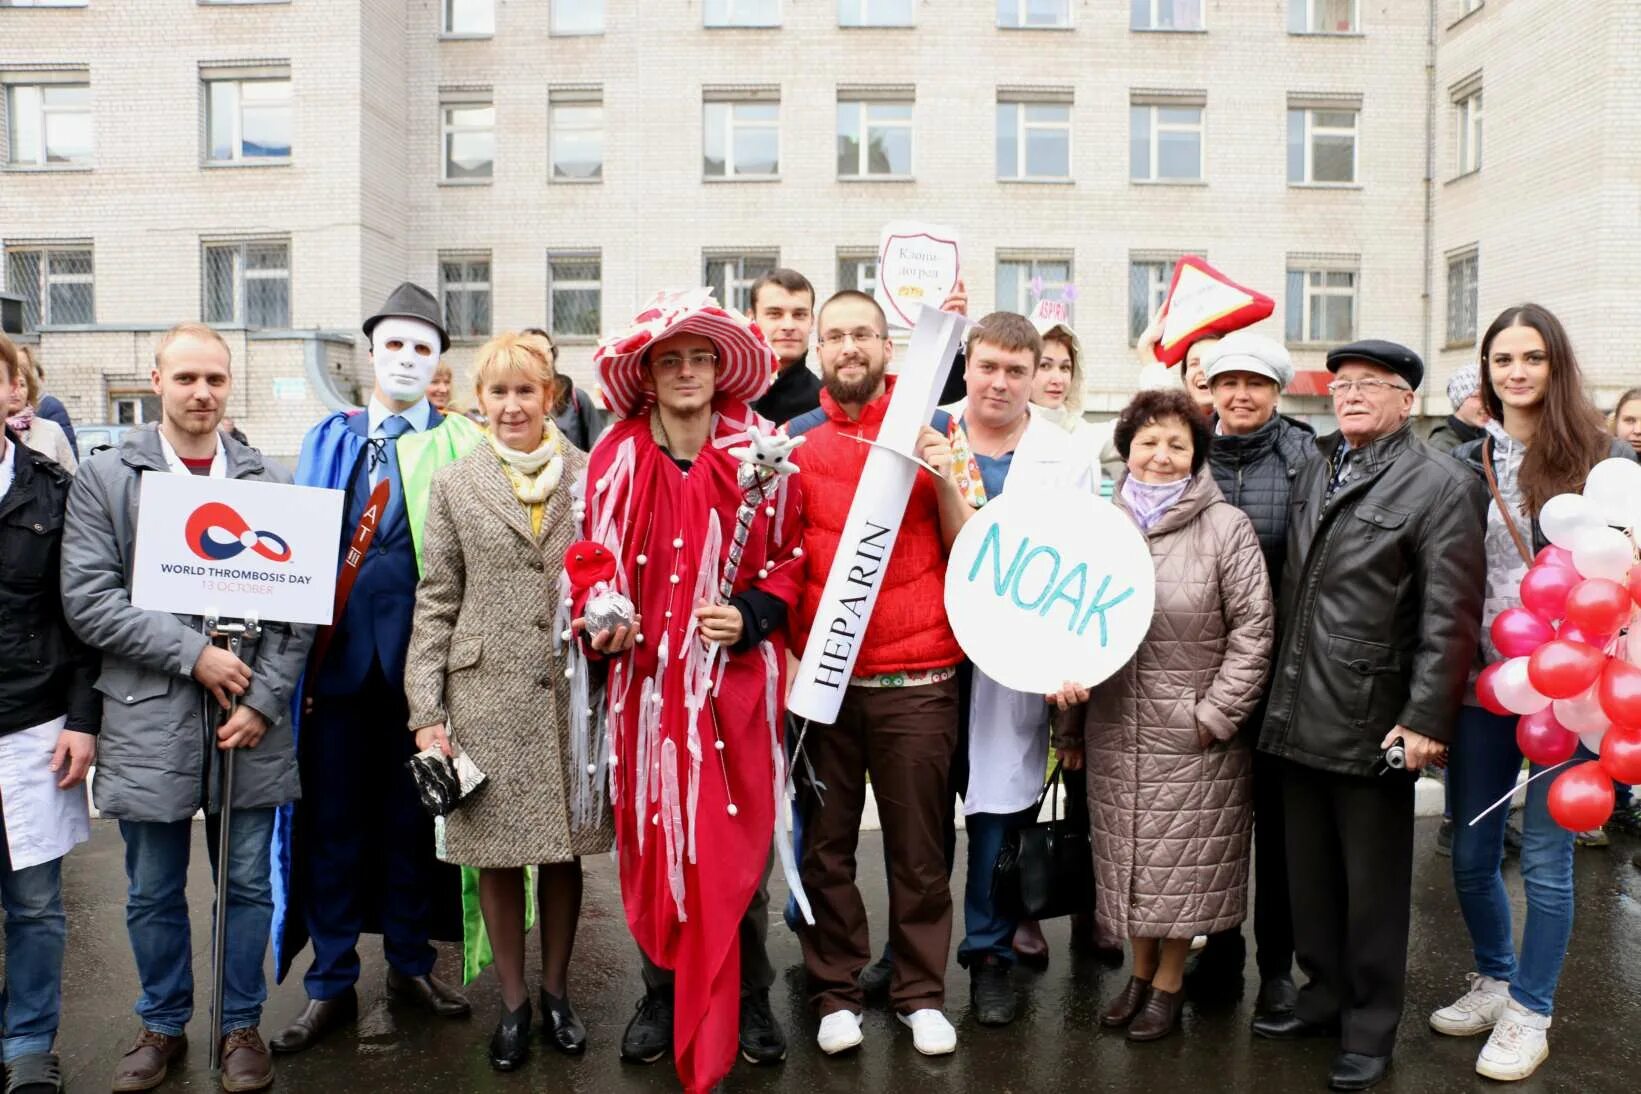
(899, 716)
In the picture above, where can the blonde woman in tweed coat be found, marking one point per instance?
(484, 673)
(1170, 793)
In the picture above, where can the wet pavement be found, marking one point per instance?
(1056, 1044)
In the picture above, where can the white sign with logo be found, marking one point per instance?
(917, 265)
(1049, 585)
(235, 549)
(1050, 313)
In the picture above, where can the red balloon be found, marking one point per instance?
(1635, 582)
(1567, 632)
(1544, 740)
(1620, 692)
(1563, 669)
(1544, 590)
(1598, 606)
(1555, 556)
(1517, 632)
(1621, 755)
(1581, 798)
(1485, 695)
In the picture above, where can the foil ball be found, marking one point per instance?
(606, 611)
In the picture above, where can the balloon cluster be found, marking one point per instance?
(1572, 650)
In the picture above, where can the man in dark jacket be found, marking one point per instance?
(1468, 421)
(783, 307)
(48, 723)
(1380, 614)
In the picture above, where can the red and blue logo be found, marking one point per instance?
(216, 532)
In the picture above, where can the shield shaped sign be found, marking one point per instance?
(917, 265)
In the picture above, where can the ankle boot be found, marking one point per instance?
(1159, 1017)
(510, 1044)
(1127, 1003)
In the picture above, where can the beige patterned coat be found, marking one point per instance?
(481, 658)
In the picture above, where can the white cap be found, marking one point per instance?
(1245, 351)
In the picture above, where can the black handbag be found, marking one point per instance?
(1045, 869)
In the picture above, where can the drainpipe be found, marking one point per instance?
(1429, 188)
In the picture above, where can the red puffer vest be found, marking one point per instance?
(908, 628)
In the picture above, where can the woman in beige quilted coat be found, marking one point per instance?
(1169, 770)
(485, 673)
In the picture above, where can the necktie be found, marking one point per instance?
(383, 450)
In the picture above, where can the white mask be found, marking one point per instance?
(404, 352)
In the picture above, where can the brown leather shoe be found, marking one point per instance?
(1127, 1003)
(1159, 1017)
(144, 1064)
(318, 1018)
(246, 1064)
(1029, 944)
(430, 992)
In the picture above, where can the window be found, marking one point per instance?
(1467, 127)
(731, 275)
(1022, 281)
(741, 139)
(464, 287)
(248, 121)
(50, 124)
(575, 128)
(475, 17)
(874, 139)
(576, 17)
(133, 407)
(1165, 142)
(1148, 280)
(874, 13)
(1462, 281)
(1322, 17)
(858, 271)
(1034, 13)
(1321, 305)
(248, 283)
(469, 141)
(741, 13)
(1033, 140)
(574, 294)
(1165, 15)
(1322, 146)
(55, 284)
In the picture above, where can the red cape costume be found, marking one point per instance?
(695, 807)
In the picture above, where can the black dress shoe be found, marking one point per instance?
(649, 1034)
(991, 995)
(762, 1042)
(1277, 995)
(560, 1024)
(1354, 1071)
(430, 992)
(510, 1044)
(318, 1018)
(1291, 1027)
(875, 978)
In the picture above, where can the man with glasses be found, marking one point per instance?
(1380, 613)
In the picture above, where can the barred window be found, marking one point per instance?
(464, 286)
(248, 283)
(731, 276)
(574, 295)
(1463, 281)
(55, 284)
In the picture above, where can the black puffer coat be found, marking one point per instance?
(1255, 472)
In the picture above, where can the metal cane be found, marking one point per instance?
(235, 633)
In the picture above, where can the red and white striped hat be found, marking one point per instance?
(745, 361)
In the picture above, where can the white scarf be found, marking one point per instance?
(533, 474)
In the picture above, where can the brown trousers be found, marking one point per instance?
(904, 738)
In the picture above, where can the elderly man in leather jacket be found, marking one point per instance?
(1379, 616)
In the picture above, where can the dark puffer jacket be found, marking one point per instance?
(1255, 472)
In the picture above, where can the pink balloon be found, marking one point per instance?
(1544, 590)
(1515, 689)
(1572, 632)
(1544, 740)
(1555, 556)
(1582, 713)
(1517, 632)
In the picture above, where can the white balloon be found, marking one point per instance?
(1582, 713)
(1603, 552)
(1592, 740)
(1516, 691)
(1563, 516)
(1613, 490)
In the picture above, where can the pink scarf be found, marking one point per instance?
(1148, 501)
(23, 420)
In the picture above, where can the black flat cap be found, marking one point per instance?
(1387, 355)
(411, 301)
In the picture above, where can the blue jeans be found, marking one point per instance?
(987, 932)
(32, 998)
(1483, 765)
(156, 916)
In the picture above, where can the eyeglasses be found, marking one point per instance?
(862, 337)
(1366, 387)
(672, 362)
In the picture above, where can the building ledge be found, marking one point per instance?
(253, 165)
(48, 168)
(1169, 182)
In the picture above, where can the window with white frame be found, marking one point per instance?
(1165, 15)
(1322, 144)
(133, 406)
(1323, 16)
(247, 121)
(575, 294)
(1165, 140)
(874, 136)
(575, 135)
(464, 288)
(874, 13)
(741, 138)
(49, 123)
(1034, 14)
(1149, 275)
(1023, 279)
(469, 128)
(857, 270)
(1467, 130)
(568, 17)
(470, 17)
(55, 282)
(730, 276)
(1033, 139)
(1321, 305)
(247, 283)
(741, 13)
(1463, 280)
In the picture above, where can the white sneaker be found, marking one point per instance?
(1520, 1042)
(932, 1035)
(839, 1032)
(1476, 1010)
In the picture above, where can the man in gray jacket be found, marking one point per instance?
(163, 687)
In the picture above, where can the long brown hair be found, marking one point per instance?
(1571, 436)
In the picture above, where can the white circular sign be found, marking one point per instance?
(1045, 586)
